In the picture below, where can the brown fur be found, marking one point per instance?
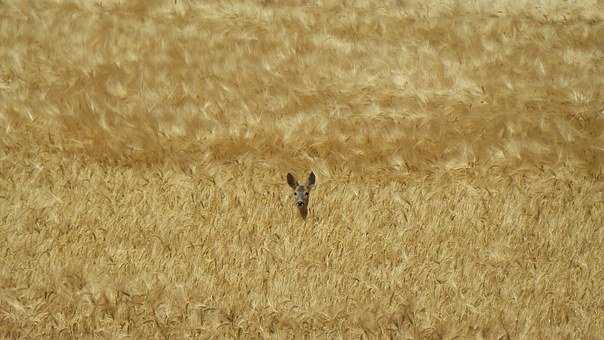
(302, 192)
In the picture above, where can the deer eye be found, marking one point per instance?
(306, 193)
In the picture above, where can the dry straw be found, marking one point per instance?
(458, 148)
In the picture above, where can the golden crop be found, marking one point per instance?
(458, 148)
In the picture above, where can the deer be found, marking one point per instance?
(302, 192)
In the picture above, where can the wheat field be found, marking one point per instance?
(458, 148)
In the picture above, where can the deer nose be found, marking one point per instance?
(300, 203)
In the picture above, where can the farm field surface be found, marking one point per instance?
(458, 149)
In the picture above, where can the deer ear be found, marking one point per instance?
(291, 180)
(311, 180)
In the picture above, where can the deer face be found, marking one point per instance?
(301, 192)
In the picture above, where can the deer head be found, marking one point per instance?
(302, 192)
